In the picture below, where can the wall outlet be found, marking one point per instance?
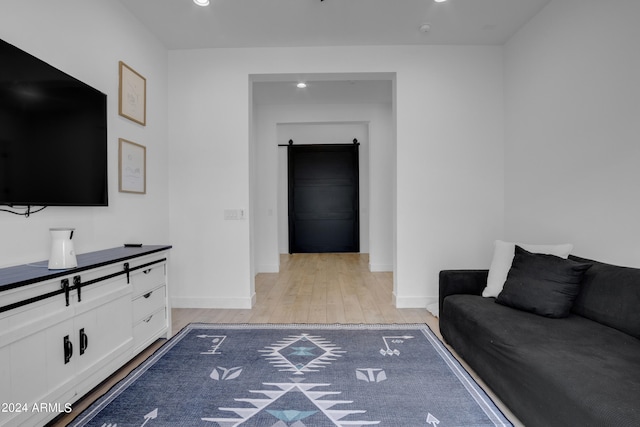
(234, 214)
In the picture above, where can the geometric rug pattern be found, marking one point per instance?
(228, 375)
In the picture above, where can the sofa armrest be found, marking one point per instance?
(453, 282)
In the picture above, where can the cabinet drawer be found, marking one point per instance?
(149, 326)
(147, 279)
(148, 303)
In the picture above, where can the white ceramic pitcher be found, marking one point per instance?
(63, 255)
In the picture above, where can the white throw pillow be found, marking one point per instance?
(503, 257)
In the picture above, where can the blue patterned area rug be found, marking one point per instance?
(223, 375)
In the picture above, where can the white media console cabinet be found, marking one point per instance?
(62, 332)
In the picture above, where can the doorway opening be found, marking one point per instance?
(335, 108)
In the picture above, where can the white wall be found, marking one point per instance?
(449, 166)
(86, 39)
(573, 121)
(570, 102)
(449, 161)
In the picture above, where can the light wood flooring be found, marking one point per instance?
(310, 288)
(316, 288)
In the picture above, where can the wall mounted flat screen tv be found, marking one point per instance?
(53, 135)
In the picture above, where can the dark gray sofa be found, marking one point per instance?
(581, 370)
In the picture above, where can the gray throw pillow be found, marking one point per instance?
(542, 284)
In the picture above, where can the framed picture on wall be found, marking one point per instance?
(132, 167)
(132, 95)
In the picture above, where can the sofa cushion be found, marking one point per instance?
(549, 372)
(503, 253)
(543, 284)
(610, 295)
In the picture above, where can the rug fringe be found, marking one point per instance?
(347, 326)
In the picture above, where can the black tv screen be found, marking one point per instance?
(53, 135)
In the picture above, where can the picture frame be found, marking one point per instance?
(132, 94)
(132, 167)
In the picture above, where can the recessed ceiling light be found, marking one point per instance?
(201, 2)
(439, 1)
(301, 85)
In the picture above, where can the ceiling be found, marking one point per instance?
(323, 88)
(322, 91)
(180, 24)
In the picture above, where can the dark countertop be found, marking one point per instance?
(26, 274)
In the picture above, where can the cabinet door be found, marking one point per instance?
(5, 383)
(39, 373)
(60, 363)
(103, 330)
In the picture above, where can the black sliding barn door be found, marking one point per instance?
(323, 198)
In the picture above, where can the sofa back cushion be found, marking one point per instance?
(610, 295)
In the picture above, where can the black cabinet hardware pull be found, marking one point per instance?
(126, 270)
(65, 287)
(84, 341)
(148, 319)
(147, 271)
(68, 349)
(77, 282)
(147, 295)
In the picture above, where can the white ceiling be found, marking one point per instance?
(180, 24)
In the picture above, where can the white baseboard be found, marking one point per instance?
(379, 268)
(236, 303)
(411, 302)
(414, 302)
